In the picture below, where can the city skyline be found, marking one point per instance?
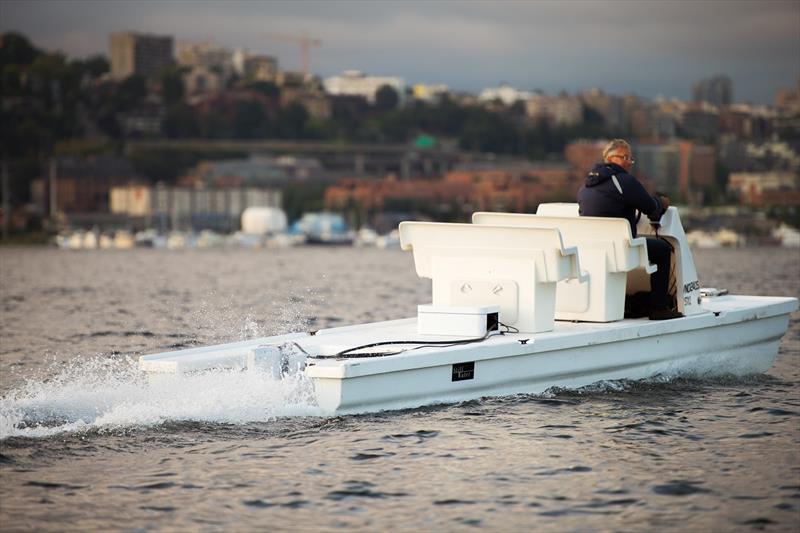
(651, 49)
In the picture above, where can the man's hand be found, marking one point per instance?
(664, 201)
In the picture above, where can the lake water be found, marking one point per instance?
(87, 444)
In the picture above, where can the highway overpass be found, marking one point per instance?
(361, 159)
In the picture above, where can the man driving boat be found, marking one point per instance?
(611, 190)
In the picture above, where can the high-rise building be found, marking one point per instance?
(660, 165)
(676, 167)
(138, 53)
(717, 90)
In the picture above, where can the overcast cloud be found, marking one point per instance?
(646, 47)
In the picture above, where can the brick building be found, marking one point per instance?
(583, 155)
(81, 185)
(766, 189)
(482, 187)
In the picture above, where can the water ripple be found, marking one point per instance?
(680, 488)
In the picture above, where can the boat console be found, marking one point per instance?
(515, 268)
(607, 253)
(683, 274)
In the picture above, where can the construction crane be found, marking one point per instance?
(305, 42)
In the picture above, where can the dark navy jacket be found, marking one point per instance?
(601, 196)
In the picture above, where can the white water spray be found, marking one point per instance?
(108, 394)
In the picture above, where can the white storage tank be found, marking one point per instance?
(263, 220)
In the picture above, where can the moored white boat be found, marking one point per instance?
(513, 272)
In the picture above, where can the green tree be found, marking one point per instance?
(292, 121)
(300, 197)
(518, 108)
(250, 121)
(181, 121)
(48, 74)
(347, 114)
(396, 126)
(24, 136)
(92, 67)
(386, 98)
(266, 88)
(97, 65)
(485, 131)
(215, 125)
(11, 81)
(16, 49)
(172, 88)
(167, 165)
(130, 93)
(103, 108)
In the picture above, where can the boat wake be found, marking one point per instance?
(664, 384)
(103, 394)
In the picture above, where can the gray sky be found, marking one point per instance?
(647, 47)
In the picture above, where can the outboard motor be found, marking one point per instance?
(280, 360)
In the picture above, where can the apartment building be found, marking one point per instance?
(139, 53)
(505, 93)
(766, 189)
(561, 110)
(716, 90)
(356, 83)
(207, 55)
(77, 186)
(678, 168)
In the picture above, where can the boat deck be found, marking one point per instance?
(721, 310)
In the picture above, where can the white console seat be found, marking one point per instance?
(607, 252)
(515, 268)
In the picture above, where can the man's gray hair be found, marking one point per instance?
(613, 145)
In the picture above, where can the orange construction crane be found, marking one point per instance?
(304, 41)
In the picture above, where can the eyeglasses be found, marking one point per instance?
(624, 158)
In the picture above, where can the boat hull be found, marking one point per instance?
(739, 348)
(735, 335)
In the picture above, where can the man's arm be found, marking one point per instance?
(635, 195)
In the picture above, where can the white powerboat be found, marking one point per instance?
(520, 304)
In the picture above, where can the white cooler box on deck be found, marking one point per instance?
(457, 320)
